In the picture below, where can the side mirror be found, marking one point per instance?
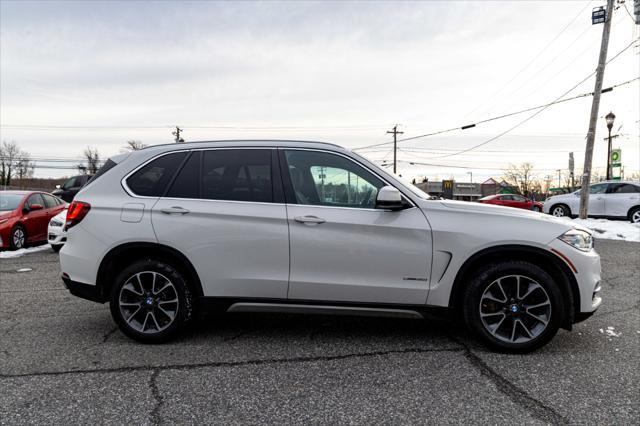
(389, 198)
(58, 186)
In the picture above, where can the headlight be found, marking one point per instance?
(579, 239)
(55, 223)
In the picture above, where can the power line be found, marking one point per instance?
(544, 106)
(535, 57)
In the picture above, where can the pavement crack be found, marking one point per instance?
(230, 364)
(237, 335)
(155, 417)
(536, 408)
(108, 334)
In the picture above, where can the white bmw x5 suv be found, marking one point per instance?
(289, 226)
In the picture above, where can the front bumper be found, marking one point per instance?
(587, 274)
(56, 236)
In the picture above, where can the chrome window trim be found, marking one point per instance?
(123, 181)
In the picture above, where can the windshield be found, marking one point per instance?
(10, 202)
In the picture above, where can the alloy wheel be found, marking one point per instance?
(148, 302)
(558, 211)
(18, 238)
(635, 217)
(515, 309)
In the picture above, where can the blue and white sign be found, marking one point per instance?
(598, 15)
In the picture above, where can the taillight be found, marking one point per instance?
(76, 212)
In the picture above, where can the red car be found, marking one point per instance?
(25, 215)
(512, 200)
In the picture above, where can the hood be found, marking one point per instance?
(521, 216)
(5, 214)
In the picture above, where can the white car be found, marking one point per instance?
(56, 235)
(286, 226)
(612, 199)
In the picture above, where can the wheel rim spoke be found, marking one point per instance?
(133, 314)
(537, 318)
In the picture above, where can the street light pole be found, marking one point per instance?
(610, 118)
(595, 105)
(559, 172)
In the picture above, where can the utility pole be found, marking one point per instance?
(595, 105)
(559, 174)
(176, 133)
(395, 133)
(571, 170)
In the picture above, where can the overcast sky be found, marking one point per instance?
(107, 72)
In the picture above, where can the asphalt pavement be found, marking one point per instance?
(63, 361)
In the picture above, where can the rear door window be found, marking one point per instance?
(623, 188)
(237, 175)
(187, 182)
(152, 179)
(49, 201)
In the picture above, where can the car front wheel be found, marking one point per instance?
(559, 210)
(513, 306)
(634, 215)
(18, 237)
(151, 301)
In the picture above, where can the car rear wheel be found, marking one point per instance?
(18, 237)
(634, 215)
(560, 210)
(151, 301)
(513, 306)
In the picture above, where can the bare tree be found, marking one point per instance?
(521, 176)
(9, 154)
(23, 166)
(93, 160)
(133, 145)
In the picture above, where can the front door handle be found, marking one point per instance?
(309, 220)
(174, 210)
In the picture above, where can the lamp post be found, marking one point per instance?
(610, 118)
(471, 195)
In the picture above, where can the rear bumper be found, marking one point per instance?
(82, 290)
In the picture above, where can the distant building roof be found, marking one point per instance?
(490, 181)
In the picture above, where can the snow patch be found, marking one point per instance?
(610, 332)
(610, 229)
(22, 252)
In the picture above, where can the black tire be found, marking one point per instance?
(12, 238)
(557, 208)
(184, 307)
(476, 298)
(537, 209)
(634, 215)
(56, 247)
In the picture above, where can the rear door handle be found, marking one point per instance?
(309, 220)
(174, 210)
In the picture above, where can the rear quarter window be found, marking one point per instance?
(152, 179)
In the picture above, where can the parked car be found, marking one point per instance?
(612, 199)
(167, 231)
(56, 235)
(70, 187)
(512, 200)
(24, 217)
